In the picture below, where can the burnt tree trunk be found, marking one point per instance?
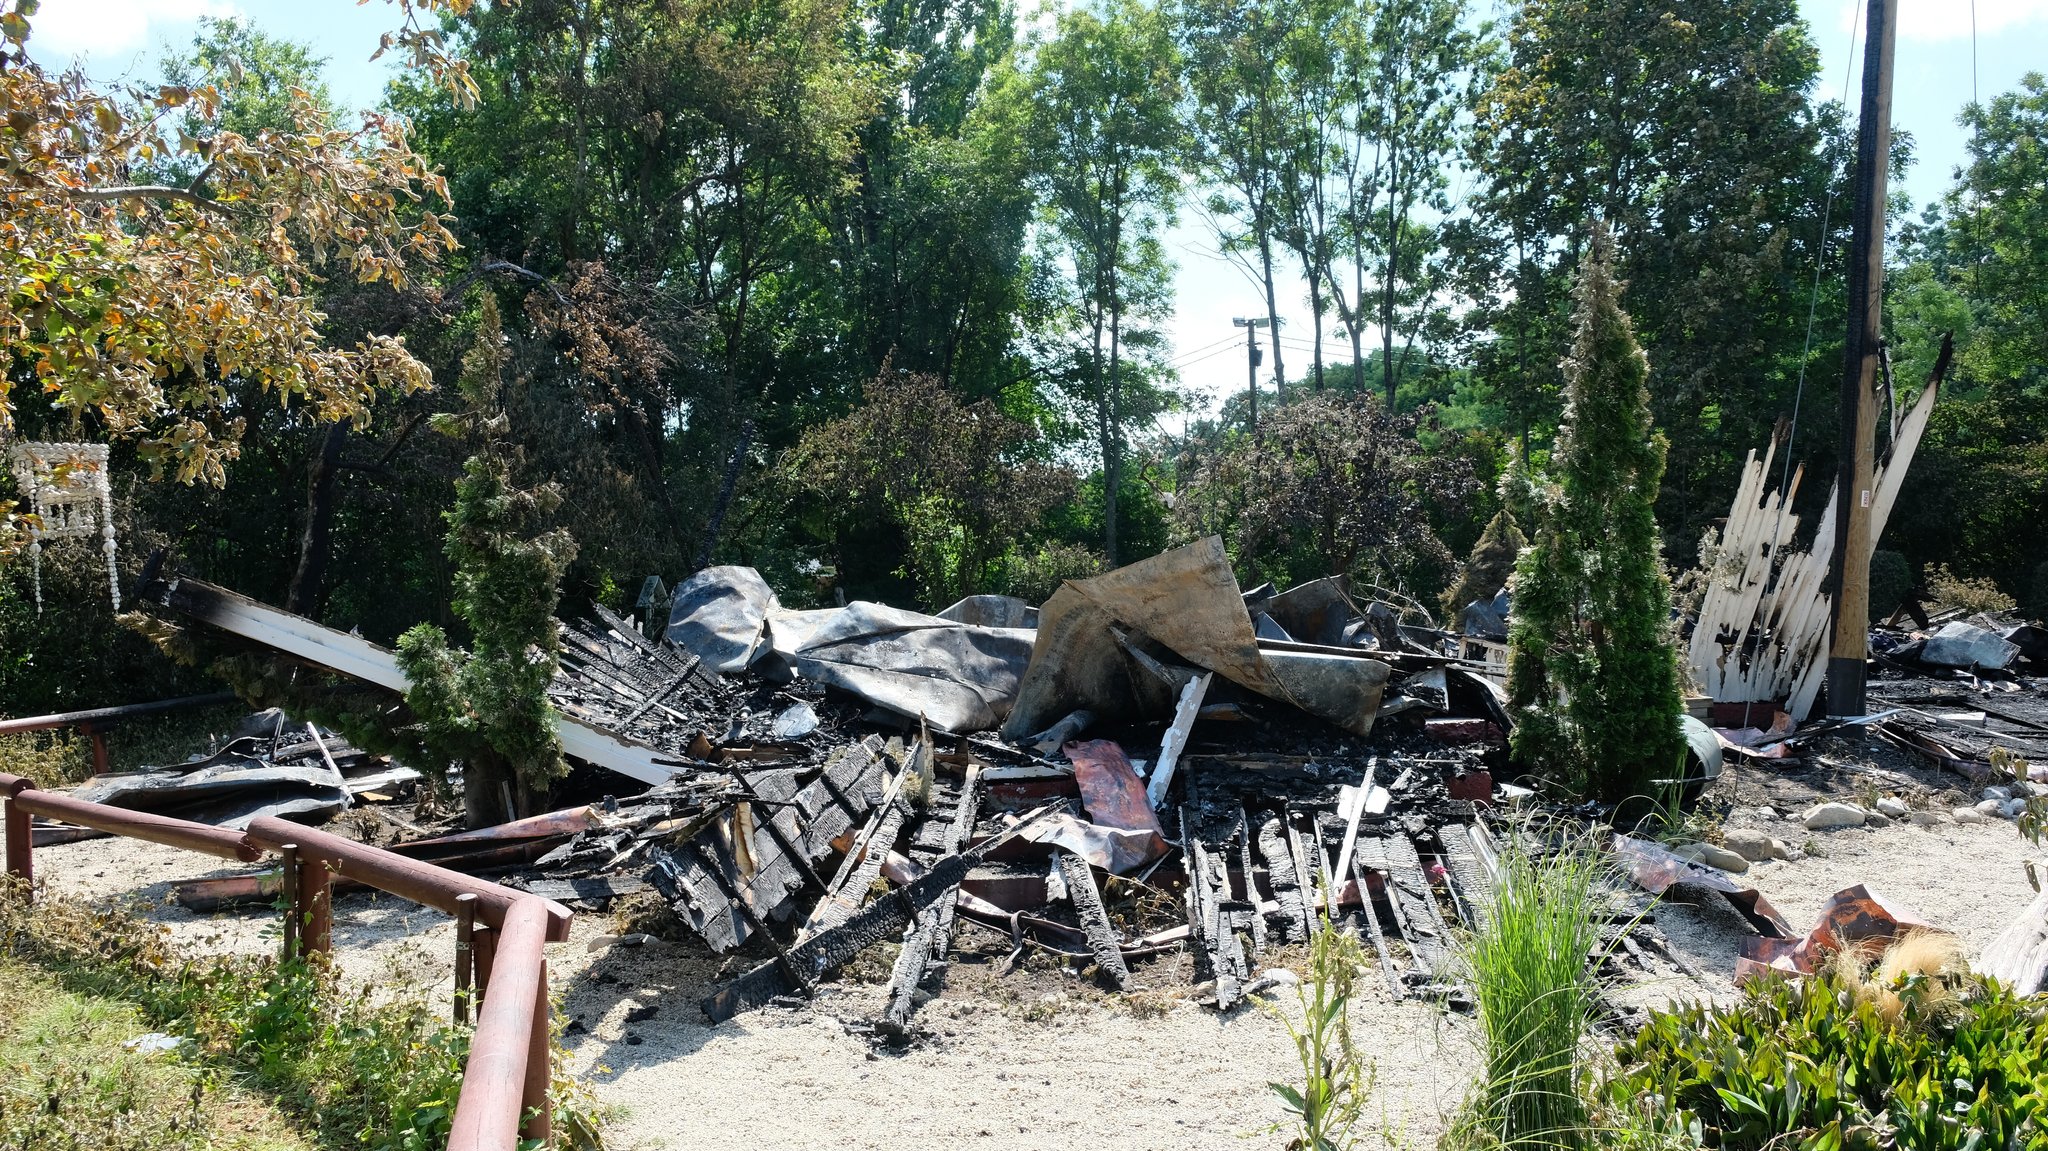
(316, 544)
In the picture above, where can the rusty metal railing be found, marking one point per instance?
(500, 945)
(95, 721)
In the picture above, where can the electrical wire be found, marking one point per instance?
(1820, 260)
(1191, 353)
(1178, 365)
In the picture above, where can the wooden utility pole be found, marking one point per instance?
(1851, 578)
(1251, 326)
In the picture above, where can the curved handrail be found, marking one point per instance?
(505, 1083)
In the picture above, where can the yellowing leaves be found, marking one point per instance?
(148, 312)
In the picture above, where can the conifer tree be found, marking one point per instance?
(1500, 543)
(488, 707)
(1592, 670)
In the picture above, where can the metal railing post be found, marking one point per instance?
(20, 843)
(315, 888)
(540, 1066)
(465, 956)
(483, 951)
(288, 884)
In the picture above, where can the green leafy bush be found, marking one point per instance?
(1918, 1062)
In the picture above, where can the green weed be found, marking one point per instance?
(353, 1070)
(1335, 1081)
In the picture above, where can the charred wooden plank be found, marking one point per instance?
(1471, 886)
(828, 951)
(1409, 892)
(763, 850)
(1103, 939)
(1368, 918)
(1242, 834)
(1276, 847)
(1307, 872)
(1215, 917)
(931, 933)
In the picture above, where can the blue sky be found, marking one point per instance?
(1932, 83)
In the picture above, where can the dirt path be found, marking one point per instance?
(1028, 1062)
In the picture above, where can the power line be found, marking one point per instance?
(1193, 353)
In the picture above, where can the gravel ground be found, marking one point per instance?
(1037, 1060)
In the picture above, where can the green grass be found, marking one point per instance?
(352, 1070)
(68, 1080)
(1537, 995)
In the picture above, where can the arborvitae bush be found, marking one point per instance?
(1592, 668)
(488, 707)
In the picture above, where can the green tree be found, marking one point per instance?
(138, 305)
(1592, 670)
(1104, 136)
(961, 481)
(1691, 131)
(487, 708)
(1236, 140)
(1403, 121)
(1978, 266)
(1331, 485)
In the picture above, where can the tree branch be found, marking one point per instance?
(150, 192)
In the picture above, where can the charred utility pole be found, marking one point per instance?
(1849, 649)
(1253, 357)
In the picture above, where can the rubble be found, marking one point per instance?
(1270, 758)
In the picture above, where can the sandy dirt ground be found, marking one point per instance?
(1037, 1059)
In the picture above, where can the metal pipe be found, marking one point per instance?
(413, 879)
(170, 832)
(465, 958)
(488, 1112)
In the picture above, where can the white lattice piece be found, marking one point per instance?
(67, 490)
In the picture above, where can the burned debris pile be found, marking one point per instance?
(1152, 761)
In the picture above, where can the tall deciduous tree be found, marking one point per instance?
(1227, 53)
(1402, 70)
(1691, 132)
(1592, 669)
(1105, 136)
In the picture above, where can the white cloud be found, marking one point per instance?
(1931, 20)
(103, 30)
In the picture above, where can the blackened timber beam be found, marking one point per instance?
(1103, 939)
(1276, 848)
(825, 953)
(1408, 891)
(1368, 918)
(930, 937)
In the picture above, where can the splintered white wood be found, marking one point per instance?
(1759, 586)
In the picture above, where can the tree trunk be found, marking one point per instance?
(316, 545)
(719, 506)
(492, 794)
(1272, 314)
